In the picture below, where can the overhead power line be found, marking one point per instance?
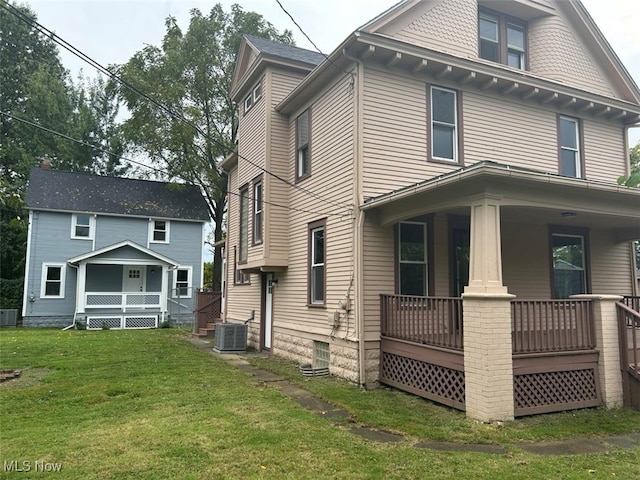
(155, 169)
(67, 46)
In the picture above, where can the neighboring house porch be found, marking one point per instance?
(124, 286)
(532, 267)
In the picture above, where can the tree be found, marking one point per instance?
(190, 73)
(633, 180)
(34, 86)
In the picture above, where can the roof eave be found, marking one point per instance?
(125, 243)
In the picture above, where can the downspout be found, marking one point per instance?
(359, 217)
(75, 308)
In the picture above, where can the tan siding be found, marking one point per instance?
(240, 299)
(556, 52)
(331, 151)
(611, 265)
(494, 128)
(604, 151)
(449, 26)
(525, 260)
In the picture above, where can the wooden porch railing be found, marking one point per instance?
(632, 302)
(207, 309)
(433, 321)
(540, 326)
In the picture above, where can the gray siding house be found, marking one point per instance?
(111, 251)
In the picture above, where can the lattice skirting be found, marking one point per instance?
(553, 391)
(441, 384)
(122, 321)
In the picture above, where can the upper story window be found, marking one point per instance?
(569, 147)
(502, 39)
(53, 277)
(240, 277)
(444, 116)
(303, 145)
(253, 96)
(82, 226)
(257, 211)
(244, 225)
(317, 272)
(158, 231)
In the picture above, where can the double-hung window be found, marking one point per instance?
(257, 212)
(502, 39)
(444, 123)
(303, 145)
(412, 258)
(82, 226)
(568, 253)
(569, 143)
(53, 276)
(182, 282)
(244, 225)
(317, 263)
(158, 231)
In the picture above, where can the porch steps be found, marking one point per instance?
(207, 331)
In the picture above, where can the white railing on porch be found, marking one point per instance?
(122, 301)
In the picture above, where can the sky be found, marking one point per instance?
(111, 31)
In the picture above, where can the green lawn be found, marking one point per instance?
(149, 404)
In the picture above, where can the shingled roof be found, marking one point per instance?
(289, 52)
(82, 192)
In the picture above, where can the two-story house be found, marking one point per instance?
(434, 206)
(111, 251)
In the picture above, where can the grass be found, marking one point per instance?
(150, 405)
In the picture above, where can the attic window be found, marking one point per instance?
(158, 231)
(257, 93)
(502, 39)
(248, 103)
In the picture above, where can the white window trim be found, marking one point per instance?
(152, 226)
(92, 226)
(248, 102)
(174, 290)
(314, 265)
(578, 153)
(456, 140)
(257, 92)
(43, 280)
(257, 211)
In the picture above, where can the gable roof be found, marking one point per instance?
(116, 246)
(82, 192)
(255, 51)
(281, 50)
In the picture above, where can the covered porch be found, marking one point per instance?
(504, 302)
(123, 285)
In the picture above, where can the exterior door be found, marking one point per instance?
(134, 276)
(268, 311)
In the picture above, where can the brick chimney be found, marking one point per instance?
(46, 164)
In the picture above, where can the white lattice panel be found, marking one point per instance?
(148, 321)
(104, 299)
(96, 323)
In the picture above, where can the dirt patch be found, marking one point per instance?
(27, 377)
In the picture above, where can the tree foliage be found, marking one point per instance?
(35, 86)
(190, 73)
(633, 180)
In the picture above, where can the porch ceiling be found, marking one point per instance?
(525, 196)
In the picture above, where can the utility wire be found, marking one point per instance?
(67, 46)
(157, 170)
(311, 41)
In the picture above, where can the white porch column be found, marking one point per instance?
(81, 286)
(606, 331)
(488, 361)
(164, 290)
